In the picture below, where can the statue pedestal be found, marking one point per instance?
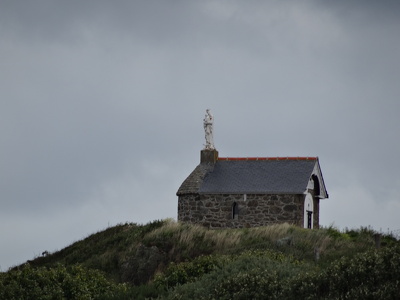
(208, 156)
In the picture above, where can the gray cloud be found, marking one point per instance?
(101, 107)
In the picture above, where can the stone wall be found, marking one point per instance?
(215, 211)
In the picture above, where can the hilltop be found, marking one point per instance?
(171, 260)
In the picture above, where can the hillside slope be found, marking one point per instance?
(180, 261)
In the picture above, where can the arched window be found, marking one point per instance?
(316, 185)
(235, 211)
(308, 211)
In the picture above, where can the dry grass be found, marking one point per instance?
(271, 232)
(189, 241)
(224, 238)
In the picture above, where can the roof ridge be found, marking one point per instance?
(269, 158)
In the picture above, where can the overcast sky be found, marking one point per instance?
(102, 106)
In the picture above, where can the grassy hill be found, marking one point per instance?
(169, 260)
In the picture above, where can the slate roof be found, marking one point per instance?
(289, 175)
(193, 182)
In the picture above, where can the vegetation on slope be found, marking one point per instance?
(170, 260)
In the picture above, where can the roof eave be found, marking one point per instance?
(250, 193)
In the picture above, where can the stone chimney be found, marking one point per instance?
(208, 156)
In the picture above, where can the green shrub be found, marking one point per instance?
(370, 275)
(374, 274)
(59, 282)
(141, 292)
(184, 272)
(181, 273)
(250, 275)
(336, 234)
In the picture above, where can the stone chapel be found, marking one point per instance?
(224, 192)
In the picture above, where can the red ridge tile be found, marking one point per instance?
(268, 158)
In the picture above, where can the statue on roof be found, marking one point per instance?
(208, 128)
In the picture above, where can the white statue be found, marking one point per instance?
(208, 127)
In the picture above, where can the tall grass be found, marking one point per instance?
(184, 242)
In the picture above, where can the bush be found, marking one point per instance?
(141, 292)
(250, 275)
(59, 282)
(181, 273)
(177, 274)
(370, 275)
